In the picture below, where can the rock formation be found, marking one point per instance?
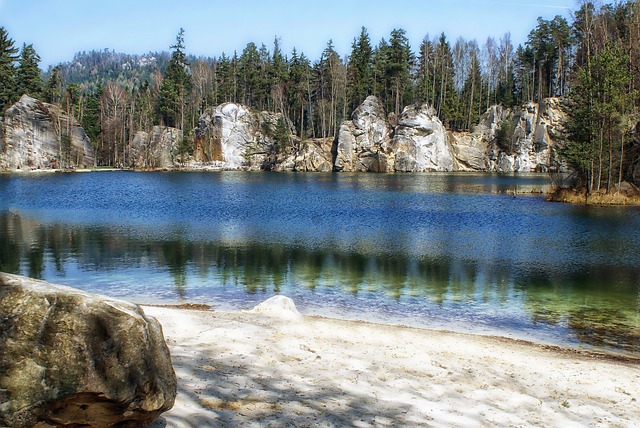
(69, 358)
(313, 155)
(234, 137)
(525, 139)
(420, 142)
(362, 143)
(159, 149)
(520, 140)
(37, 135)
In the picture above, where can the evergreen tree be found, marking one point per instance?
(91, 116)
(7, 70)
(472, 90)
(281, 136)
(380, 65)
(360, 72)
(277, 79)
(446, 100)
(598, 102)
(426, 71)
(400, 61)
(299, 88)
(224, 80)
(176, 86)
(250, 76)
(53, 89)
(28, 75)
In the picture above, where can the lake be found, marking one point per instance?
(463, 252)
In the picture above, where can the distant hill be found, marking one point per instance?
(90, 69)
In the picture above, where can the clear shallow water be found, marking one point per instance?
(452, 251)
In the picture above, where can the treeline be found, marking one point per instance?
(592, 61)
(603, 128)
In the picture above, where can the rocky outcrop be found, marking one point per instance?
(37, 135)
(525, 139)
(158, 149)
(313, 155)
(420, 142)
(69, 358)
(234, 137)
(363, 142)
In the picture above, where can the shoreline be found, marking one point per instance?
(566, 349)
(257, 369)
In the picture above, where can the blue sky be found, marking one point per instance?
(60, 28)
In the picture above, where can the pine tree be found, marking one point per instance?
(299, 89)
(400, 61)
(380, 65)
(53, 89)
(277, 79)
(281, 136)
(176, 86)
(91, 116)
(28, 75)
(360, 72)
(7, 70)
(249, 75)
(426, 71)
(446, 100)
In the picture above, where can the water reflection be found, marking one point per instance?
(595, 306)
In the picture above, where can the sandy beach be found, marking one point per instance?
(262, 369)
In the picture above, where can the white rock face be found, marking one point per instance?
(158, 149)
(363, 142)
(420, 142)
(279, 307)
(533, 145)
(37, 135)
(235, 137)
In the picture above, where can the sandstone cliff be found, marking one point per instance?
(363, 143)
(524, 139)
(233, 137)
(158, 149)
(36, 135)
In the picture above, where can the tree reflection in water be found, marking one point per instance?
(604, 317)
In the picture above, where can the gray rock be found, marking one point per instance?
(69, 358)
(236, 138)
(36, 135)
(313, 155)
(470, 150)
(534, 139)
(420, 142)
(158, 149)
(363, 143)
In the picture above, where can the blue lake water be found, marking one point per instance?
(450, 251)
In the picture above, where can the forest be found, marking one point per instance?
(592, 63)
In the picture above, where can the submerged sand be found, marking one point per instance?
(252, 369)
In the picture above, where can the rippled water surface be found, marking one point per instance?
(454, 251)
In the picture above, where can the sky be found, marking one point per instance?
(60, 28)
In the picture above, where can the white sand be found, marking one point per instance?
(253, 369)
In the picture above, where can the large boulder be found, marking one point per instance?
(158, 149)
(363, 143)
(420, 142)
(36, 135)
(69, 358)
(234, 137)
